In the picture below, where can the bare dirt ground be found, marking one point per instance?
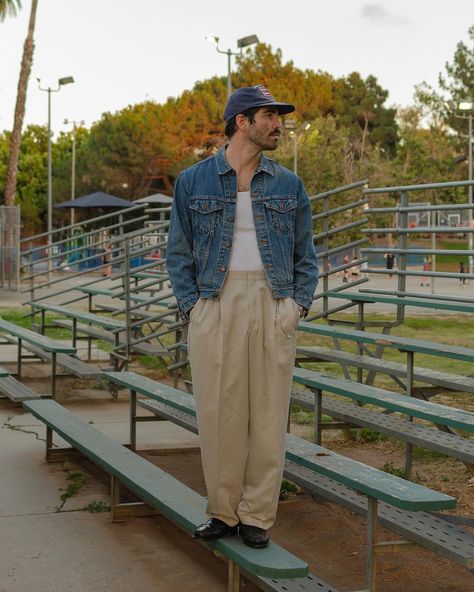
(330, 538)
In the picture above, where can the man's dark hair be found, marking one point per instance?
(231, 125)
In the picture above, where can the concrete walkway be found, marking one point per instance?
(73, 550)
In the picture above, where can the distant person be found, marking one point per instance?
(462, 269)
(390, 263)
(345, 272)
(355, 270)
(107, 260)
(426, 267)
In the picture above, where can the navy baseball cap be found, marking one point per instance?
(253, 96)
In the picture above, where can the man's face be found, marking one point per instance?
(265, 130)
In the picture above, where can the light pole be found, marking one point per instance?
(290, 126)
(469, 106)
(73, 163)
(241, 43)
(49, 90)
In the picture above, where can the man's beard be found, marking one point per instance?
(265, 141)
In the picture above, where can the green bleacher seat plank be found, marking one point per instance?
(430, 531)
(74, 365)
(81, 315)
(158, 275)
(155, 390)
(422, 528)
(405, 301)
(148, 349)
(434, 412)
(373, 482)
(401, 343)
(365, 479)
(175, 500)
(15, 390)
(97, 291)
(114, 294)
(427, 375)
(394, 426)
(43, 342)
(4, 372)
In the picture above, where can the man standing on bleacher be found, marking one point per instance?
(243, 269)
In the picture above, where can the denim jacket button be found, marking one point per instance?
(230, 219)
(228, 244)
(259, 217)
(222, 268)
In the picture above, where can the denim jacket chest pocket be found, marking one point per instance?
(206, 214)
(206, 219)
(281, 213)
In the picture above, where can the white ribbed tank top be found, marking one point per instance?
(244, 255)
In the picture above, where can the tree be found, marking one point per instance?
(425, 155)
(25, 70)
(32, 169)
(360, 108)
(456, 84)
(9, 8)
(312, 92)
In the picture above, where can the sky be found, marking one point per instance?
(121, 52)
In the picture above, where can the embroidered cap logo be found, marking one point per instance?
(265, 92)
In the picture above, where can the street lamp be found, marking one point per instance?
(73, 165)
(49, 90)
(290, 126)
(241, 43)
(469, 106)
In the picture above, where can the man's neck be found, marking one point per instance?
(242, 157)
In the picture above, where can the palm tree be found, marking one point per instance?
(10, 7)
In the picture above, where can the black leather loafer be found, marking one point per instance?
(254, 536)
(214, 529)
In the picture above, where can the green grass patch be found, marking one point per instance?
(97, 506)
(389, 467)
(77, 481)
(424, 454)
(153, 363)
(454, 330)
(368, 435)
(287, 490)
(17, 316)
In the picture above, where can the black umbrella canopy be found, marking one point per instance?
(99, 199)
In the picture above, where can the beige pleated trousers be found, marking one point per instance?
(242, 351)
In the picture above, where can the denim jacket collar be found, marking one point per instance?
(224, 167)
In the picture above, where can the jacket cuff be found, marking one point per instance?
(303, 301)
(186, 305)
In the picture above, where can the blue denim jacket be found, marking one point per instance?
(202, 229)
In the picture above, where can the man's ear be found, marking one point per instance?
(242, 122)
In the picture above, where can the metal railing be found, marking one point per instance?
(334, 259)
(406, 231)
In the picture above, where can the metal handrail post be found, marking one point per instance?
(471, 259)
(128, 319)
(403, 238)
(326, 208)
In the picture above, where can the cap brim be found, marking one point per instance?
(283, 108)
